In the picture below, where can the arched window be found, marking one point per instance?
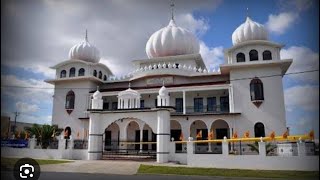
(267, 55)
(63, 74)
(72, 72)
(259, 130)
(81, 72)
(105, 77)
(67, 132)
(100, 75)
(95, 73)
(70, 100)
(253, 55)
(241, 57)
(256, 89)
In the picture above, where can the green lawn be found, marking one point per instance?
(9, 162)
(147, 169)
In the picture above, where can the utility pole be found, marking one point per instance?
(15, 120)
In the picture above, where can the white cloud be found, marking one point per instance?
(304, 59)
(25, 107)
(281, 22)
(197, 26)
(29, 118)
(302, 98)
(212, 56)
(37, 92)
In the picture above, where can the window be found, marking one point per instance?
(179, 104)
(105, 77)
(95, 73)
(155, 102)
(204, 133)
(241, 57)
(100, 75)
(105, 105)
(72, 72)
(141, 103)
(67, 133)
(114, 105)
(198, 104)
(211, 104)
(253, 55)
(256, 89)
(81, 72)
(63, 74)
(70, 100)
(267, 55)
(224, 103)
(259, 130)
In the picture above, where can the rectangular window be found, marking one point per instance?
(179, 104)
(114, 105)
(155, 102)
(211, 104)
(224, 103)
(141, 103)
(198, 104)
(105, 105)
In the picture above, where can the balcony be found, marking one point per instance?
(216, 109)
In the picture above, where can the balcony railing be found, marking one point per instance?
(204, 109)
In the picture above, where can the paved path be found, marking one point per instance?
(95, 166)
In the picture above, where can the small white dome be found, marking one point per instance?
(249, 30)
(163, 91)
(170, 41)
(85, 51)
(97, 95)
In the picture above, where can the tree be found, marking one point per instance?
(44, 133)
(255, 147)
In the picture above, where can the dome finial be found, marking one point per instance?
(86, 35)
(172, 10)
(129, 85)
(247, 12)
(97, 88)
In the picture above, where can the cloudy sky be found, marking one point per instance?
(38, 34)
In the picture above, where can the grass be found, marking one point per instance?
(149, 169)
(9, 162)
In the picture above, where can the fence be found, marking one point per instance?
(250, 153)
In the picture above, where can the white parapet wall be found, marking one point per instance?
(72, 154)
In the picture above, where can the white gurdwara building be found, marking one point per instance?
(172, 95)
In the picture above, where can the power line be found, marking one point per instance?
(274, 75)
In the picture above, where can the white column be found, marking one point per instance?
(231, 103)
(301, 148)
(184, 102)
(32, 142)
(95, 138)
(262, 149)
(163, 135)
(225, 148)
(141, 138)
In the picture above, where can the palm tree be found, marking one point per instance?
(255, 147)
(44, 133)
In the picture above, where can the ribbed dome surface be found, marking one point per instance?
(85, 51)
(163, 91)
(170, 41)
(249, 30)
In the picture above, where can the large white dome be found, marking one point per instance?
(249, 30)
(85, 51)
(170, 41)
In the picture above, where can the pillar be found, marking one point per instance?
(163, 135)
(262, 149)
(32, 142)
(95, 138)
(225, 147)
(301, 148)
(184, 102)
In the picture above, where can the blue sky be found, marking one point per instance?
(39, 34)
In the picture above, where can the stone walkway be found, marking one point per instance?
(100, 166)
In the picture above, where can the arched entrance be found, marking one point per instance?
(199, 131)
(259, 130)
(176, 134)
(112, 135)
(133, 135)
(220, 129)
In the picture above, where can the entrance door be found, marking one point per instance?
(107, 141)
(145, 139)
(221, 133)
(137, 139)
(154, 139)
(175, 133)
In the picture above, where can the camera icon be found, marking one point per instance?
(26, 171)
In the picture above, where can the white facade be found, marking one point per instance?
(173, 95)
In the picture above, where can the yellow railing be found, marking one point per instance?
(265, 139)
